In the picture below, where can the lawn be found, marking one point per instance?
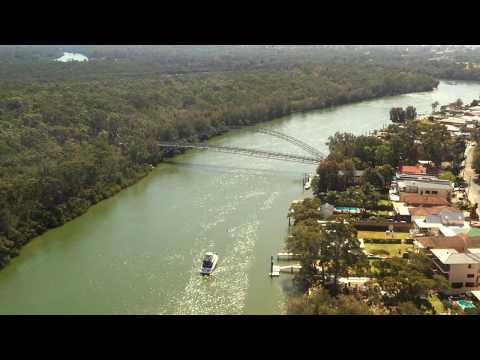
(382, 235)
(474, 232)
(392, 249)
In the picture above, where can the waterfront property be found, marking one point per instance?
(438, 220)
(356, 176)
(412, 170)
(442, 189)
(347, 210)
(422, 200)
(457, 258)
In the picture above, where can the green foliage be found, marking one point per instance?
(307, 209)
(399, 115)
(409, 281)
(364, 196)
(476, 160)
(322, 303)
(72, 134)
(326, 252)
(382, 241)
(448, 175)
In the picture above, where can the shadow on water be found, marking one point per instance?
(229, 169)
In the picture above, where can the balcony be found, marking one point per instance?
(444, 268)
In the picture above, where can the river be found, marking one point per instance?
(140, 251)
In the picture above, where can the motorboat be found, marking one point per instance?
(209, 263)
(308, 183)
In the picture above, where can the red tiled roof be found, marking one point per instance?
(425, 211)
(418, 169)
(415, 199)
(459, 242)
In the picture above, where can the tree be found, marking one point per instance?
(397, 115)
(373, 177)
(409, 281)
(476, 160)
(327, 178)
(458, 103)
(342, 250)
(322, 303)
(448, 175)
(410, 113)
(384, 155)
(435, 106)
(408, 308)
(306, 240)
(307, 209)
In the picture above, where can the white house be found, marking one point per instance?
(457, 258)
(462, 269)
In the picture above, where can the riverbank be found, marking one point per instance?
(415, 148)
(77, 167)
(138, 252)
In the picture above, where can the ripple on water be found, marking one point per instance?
(225, 291)
(267, 204)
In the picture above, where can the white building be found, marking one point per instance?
(461, 269)
(457, 258)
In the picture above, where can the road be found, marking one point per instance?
(470, 176)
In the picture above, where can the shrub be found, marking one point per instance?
(382, 241)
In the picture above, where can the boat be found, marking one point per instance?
(308, 183)
(209, 263)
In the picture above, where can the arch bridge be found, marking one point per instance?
(315, 156)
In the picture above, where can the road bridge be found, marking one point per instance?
(314, 158)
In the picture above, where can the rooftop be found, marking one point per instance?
(458, 242)
(401, 208)
(415, 199)
(452, 256)
(422, 211)
(417, 169)
(452, 120)
(425, 185)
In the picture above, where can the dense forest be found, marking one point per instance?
(72, 134)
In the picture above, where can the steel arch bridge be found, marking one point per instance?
(315, 156)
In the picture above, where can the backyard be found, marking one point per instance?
(388, 249)
(382, 235)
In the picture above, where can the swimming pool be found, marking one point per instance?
(345, 209)
(465, 304)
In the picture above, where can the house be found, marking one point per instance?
(453, 129)
(462, 269)
(422, 200)
(452, 121)
(425, 163)
(357, 175)
(424, 178)
(402, 211)
(423, 212)
(476, 297)
(457, 258)
(326, 210)
(441, 220)
(440, 188)
(412, 170)
(470, 118)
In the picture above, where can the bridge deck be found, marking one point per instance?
(243, 151)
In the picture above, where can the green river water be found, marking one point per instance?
(140, 251)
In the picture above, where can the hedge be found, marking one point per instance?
(382, 241)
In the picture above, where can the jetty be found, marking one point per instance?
(284, 256)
